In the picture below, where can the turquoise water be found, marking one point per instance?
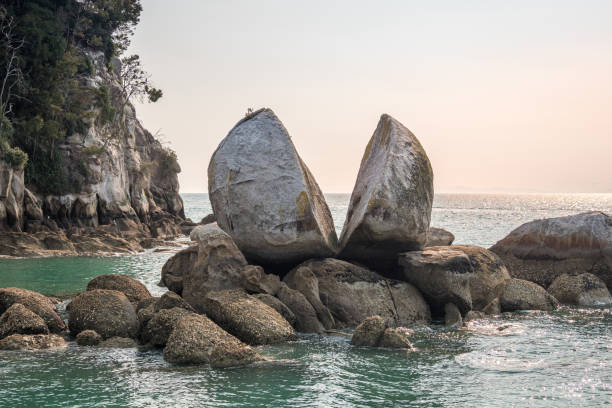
(536, 359)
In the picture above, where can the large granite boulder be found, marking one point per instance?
(247, 318)
(344, 294)
(542, 250)
(218, 265)
(442, 274)
(585, 289)
(306, 320)
(519, 294)
(160, 326)
(32, 342)
(130, 287)
(34, 301)
(280, 307)
(197, 340)
(490, 275)
(265, 197)
(108, 312)
(255, 280)
(170, 300)
(439, 237)
(175, 268)
(18, 319)
(390, 208)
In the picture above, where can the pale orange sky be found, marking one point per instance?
(504, 96)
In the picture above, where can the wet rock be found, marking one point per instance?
(88, 338)
(305, 315)
(390, 207)
(144, 315)
(265, 197)
(108, 312)
(118, 342)
(490, 275)
(160, 326)
(351, 293)
(18, 319)
(34, 301)
(520, 294)
(493, 308)
(473, 315)
(395, 338)
(32, 342)
(452, 316)
(218, 265)
(133, 289)
(277, 305)
(439, 237)
(175, 268)
(542, 250)
(369, 332)
(169, 300)
(247, 318)
(197, 340)
(584, 290)
(254, 280)
(442, 274)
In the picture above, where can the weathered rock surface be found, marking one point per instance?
(442, 274)
(490, 275)
(306, 320)
(197, 340)
(265, 197)
(542, 250)
(439, 237)
(585, 289)
(452, 316)
(218, 265)
(130, 287)
(374, 332)
(520, 294)
(493, 308)
(390, 207)
(108, 312)
(255, 280)
(32, 342)
(247, 318)
(160, 326)
(34, 301)
(395, 338)
(169, 300)
(18, 319)
(350, 293)
(88, 338)
(177, 266)
(277, 305)
(118, 342)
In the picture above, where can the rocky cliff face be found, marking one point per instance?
(116, 169)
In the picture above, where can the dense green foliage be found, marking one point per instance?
(54, 99)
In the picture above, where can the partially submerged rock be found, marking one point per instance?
(32, 342)
(390, 206)
(439, 237)
(88, 338)
(395, 338)
(585, 289)
(197, 340)
(374, 332)
(542, 250)
(520, 294)
(160, 326)
(18, 319)
(108, 312)
(247, 318)
(442, 274)
(175, 268)
(130, 287)
(265, 197)
(118, 342)
(34, 301)
(350, 293)
(452, 316)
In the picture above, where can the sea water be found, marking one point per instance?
(563, 358)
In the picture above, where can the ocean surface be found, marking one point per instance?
(559, 359)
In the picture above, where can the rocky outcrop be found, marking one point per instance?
(32, 342)
(255, 280)
(18, 319)
(130, 287)
(197, 340)
(442, 274)
(490, 275)
(439, 237)
(218, 265)
(390, 207)
(306, 320)
(542, 250)
(159, 328)
(88, 338)
(452, 316)
(247, 318)
(34, 301)
(174, 269)
(169, 300)
(520, 294)
(374, 332)
(108, 312)
(585, 289)
(265, 197)
(279, 306)
(344, 294)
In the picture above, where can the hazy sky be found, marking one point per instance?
(504, 95)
